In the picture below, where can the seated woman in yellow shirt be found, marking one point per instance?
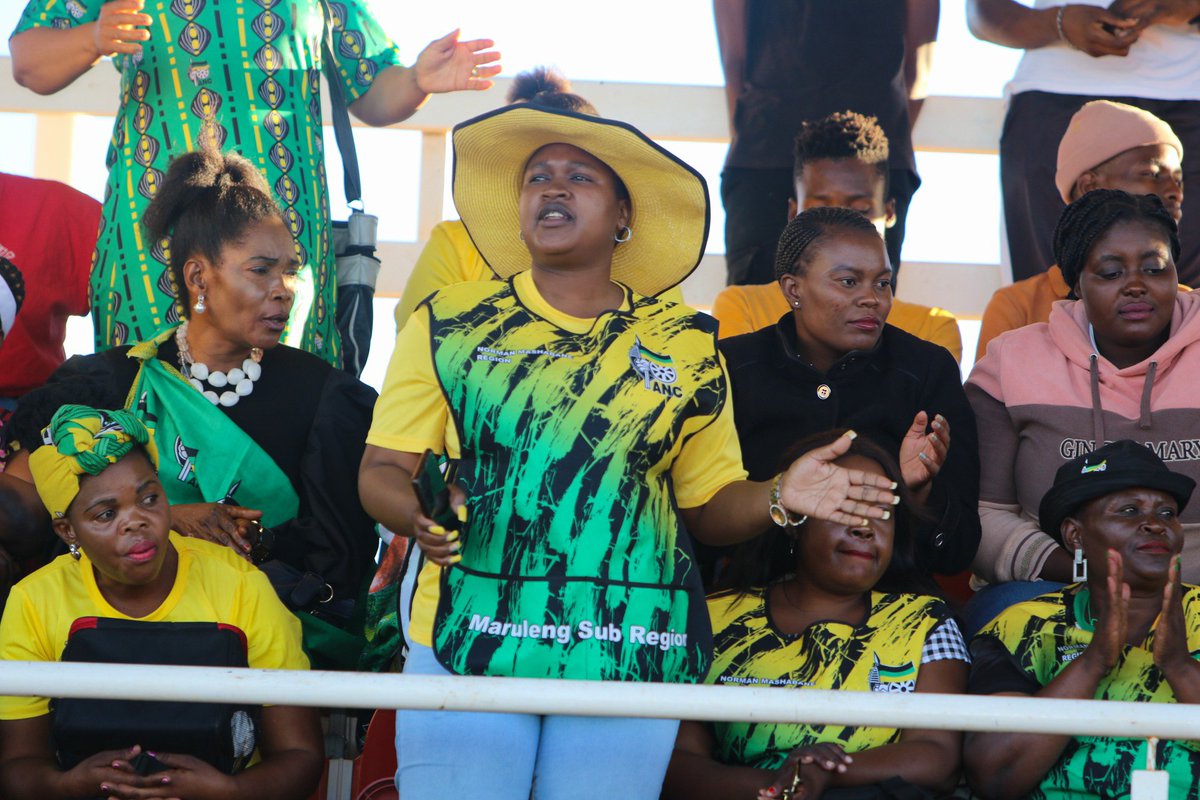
(832, 607)
(841, 160)
(97, 477)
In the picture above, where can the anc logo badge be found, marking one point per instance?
(200, 73)
(657, 371)
(185, 458)
(893, 680)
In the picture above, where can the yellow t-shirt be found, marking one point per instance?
(212, 585)
(745, 309)
(412, 415)
(450, 257)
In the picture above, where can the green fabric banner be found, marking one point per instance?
(203, 456)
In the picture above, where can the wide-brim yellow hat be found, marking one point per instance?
(668, 198)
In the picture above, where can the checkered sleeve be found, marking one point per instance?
(945, 642)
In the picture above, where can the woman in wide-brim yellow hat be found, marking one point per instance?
(589, 421)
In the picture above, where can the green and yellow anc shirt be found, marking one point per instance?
(883, 654)
(1030, 643)
(249, 71)
(577, 440)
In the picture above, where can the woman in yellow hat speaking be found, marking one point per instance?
(590, 427)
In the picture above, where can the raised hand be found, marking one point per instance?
(923, 452)
(120, 27)
(448, 65)
(816, 487)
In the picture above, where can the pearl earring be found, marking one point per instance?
(199, 307)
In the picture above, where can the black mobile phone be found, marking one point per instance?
(145, 764)
(432, 491)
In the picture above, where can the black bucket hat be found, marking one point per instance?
(1111, 468)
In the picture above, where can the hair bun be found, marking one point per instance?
(527, 85)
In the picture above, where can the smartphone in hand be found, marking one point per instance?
(432, 491)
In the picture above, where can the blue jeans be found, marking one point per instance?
(507, 756)
(989, 601)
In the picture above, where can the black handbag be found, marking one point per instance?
(222, 734)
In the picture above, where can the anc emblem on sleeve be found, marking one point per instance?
(185, 458)
(657, 371)
(892, 680)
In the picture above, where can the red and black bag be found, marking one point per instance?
(223, 734)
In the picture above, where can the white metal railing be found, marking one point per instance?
(600, 699)
(947, 124)
(1151, 721)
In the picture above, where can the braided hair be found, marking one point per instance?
(1089, 217)
(548, 88)
(207, 199)
(843, 135)
(795, 245)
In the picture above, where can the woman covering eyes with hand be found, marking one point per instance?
(828, 606)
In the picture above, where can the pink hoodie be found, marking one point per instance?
(1043, 396)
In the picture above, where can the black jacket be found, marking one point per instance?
(777, 401)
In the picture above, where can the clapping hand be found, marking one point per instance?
(1112, 626)
(817, 487)
(1170, 636)
(922, 453)
(448, 65)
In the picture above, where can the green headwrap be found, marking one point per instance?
(81, 440)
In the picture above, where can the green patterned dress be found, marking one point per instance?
(249, 71)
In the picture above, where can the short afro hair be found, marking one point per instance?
(843, 135)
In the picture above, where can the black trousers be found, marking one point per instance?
(1033, 127)
(755, 203)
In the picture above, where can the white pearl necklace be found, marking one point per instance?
(197, 372)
